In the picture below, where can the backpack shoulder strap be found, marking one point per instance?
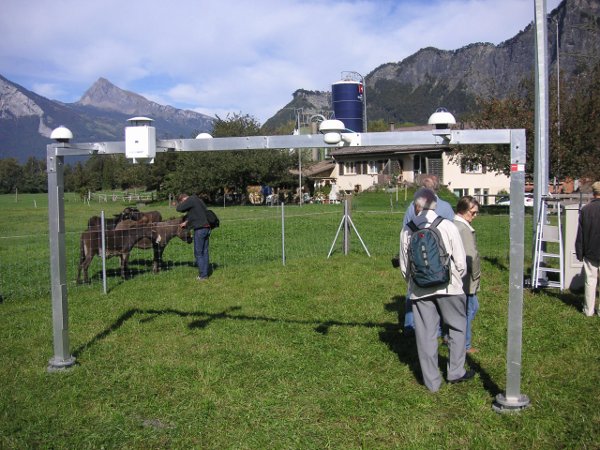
(412, 226)
(437, 221)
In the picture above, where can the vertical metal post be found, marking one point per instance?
(541, 165)
(346, 227)
(282, 233)
(103, 237)
(558, 156)
(62, 358)
(513, 399)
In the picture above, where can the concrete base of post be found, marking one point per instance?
(507, 405)
(58, 364)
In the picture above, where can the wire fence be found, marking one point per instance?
(247, 237)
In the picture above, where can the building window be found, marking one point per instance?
(372, 169)
(482, 195)
(435, 167)
(459, 192)
(471, 168)
(349, 168)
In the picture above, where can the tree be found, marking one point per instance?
(580, 133)
(513, 112)
(574, 148)
(210, 173)
(35, 178)
(509, 113)
(10, 175)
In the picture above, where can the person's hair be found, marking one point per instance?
(182, 197)
(465, 204)
(425, 199)
(430, 182)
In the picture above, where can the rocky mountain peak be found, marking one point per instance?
(105, 95)
(14, 103)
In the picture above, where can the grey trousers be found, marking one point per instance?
(428, 312)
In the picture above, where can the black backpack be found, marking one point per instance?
(429, 261)
(212, 218)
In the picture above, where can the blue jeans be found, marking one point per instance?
(472, 308)
(201, 236)
(409, 319)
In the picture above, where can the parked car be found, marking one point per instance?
(505, 201)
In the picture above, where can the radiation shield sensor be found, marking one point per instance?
(140, 140)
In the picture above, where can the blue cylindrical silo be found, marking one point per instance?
(347, 98)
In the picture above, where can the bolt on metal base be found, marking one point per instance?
(58, 364)
(509, 405)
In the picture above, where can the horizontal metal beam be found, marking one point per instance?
(434, 137)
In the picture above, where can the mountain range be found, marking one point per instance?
(410, 90)
(27, 119)
(407, 91)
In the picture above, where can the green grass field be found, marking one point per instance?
(308, 354)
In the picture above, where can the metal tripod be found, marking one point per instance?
(347, 222)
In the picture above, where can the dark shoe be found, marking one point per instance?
(469, 374)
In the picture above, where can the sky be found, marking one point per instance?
(222, 57)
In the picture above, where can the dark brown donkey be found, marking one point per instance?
(118, 242)
(163, 233)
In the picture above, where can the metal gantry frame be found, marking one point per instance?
(511, 400)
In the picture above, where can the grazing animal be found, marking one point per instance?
(138, 220)
(128, 213)
(118, 242)
(163, 233)
(128, 218)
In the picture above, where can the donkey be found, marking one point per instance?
(163, 232)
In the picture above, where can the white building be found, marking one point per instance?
(355, 169)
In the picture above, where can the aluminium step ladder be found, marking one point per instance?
(548, 234)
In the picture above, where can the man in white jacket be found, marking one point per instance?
(445, 302)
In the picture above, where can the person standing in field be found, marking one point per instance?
(587, 247)
(467, 209)
(196, 220)
(443, 209)
(431, 304)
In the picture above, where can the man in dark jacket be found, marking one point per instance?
(587, 247)
(195, 210)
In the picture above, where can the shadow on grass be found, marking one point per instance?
(404, 346)
(497, 262)
(571, 299)
(202, 319)
(143, 267)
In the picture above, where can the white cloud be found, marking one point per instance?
(228, 56)
(48, 90)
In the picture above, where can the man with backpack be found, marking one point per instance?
(433, 262)
(197, 220)
(443, 209)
